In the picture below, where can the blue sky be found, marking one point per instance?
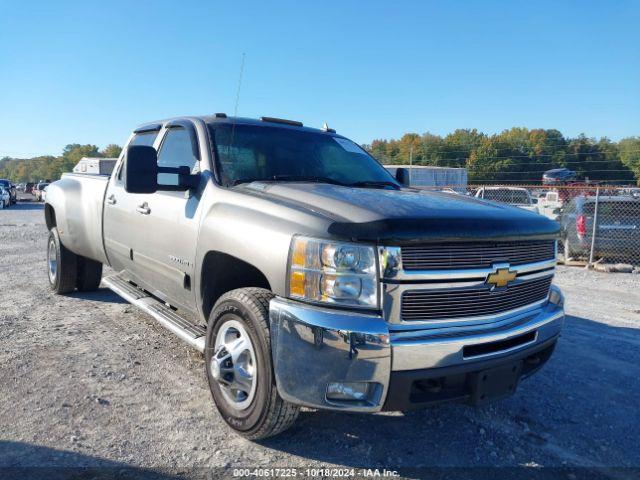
(89, 71)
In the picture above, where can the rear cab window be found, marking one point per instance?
(178, 149)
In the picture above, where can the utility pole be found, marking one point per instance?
(594, 231)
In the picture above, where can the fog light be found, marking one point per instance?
(555, 296)
(348, 391)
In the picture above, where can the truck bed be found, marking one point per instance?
(78, 201)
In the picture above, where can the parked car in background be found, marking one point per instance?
(43, 194)
(28, 187)
(558, 176)
(550, 205)
(631, 191)
(37, 191)
(518, 197)
(5, 198)
(11, 188)
(617, 235)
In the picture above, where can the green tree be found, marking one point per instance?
(630, 155)
(112, 151)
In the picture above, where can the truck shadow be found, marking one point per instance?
(24, 460)
(562, 410)
(100, 295)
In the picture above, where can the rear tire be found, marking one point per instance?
(241, 317)
(89, 274)
(62, 265)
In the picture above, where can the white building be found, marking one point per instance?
(430, 176)
(95, 166)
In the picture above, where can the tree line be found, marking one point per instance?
(518, 155)
(49, 167)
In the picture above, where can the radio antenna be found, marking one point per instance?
(235, 111)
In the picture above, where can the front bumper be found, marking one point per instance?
(313, 347)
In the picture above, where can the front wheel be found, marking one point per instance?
(239, 367)
(62, 265)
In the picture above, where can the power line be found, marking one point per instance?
(491, 158)
(534, 156)
(542, 171)
(475, 181)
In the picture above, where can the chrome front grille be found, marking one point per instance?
(435, 304)
(449, 256)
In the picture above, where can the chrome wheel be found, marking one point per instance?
(233, 364)
(52, 261)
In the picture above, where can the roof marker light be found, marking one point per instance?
(281, 120)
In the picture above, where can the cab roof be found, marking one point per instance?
(221, 118)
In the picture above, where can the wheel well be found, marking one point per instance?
(50, 216)
(222, 273)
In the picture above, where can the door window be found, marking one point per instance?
(143, 138)
(178, 149)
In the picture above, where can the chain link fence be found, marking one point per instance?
(599, 224)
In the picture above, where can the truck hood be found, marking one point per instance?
(408, 215)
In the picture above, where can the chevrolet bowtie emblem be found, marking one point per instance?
(501, 277)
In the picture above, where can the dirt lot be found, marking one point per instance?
(89, 381)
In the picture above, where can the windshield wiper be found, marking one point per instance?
(306, 178)
(375, 184)
(245, 180)
(290, 178)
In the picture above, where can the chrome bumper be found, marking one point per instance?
(314, 346)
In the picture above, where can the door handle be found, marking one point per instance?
(111, 199)
(143, 209)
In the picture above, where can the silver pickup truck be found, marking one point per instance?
(306, 273)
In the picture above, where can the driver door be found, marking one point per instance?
(166, 256)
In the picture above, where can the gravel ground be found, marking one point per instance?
(87, 380)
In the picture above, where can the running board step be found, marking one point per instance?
(193, 335)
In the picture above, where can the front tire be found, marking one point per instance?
(239, 366)
(62, 265)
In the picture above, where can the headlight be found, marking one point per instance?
(333, 272)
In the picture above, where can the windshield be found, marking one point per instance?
(248, 153)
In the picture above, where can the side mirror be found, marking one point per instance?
(402, 176)
(141, 169)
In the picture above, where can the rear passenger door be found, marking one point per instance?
(166, 255)
(123, 225)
